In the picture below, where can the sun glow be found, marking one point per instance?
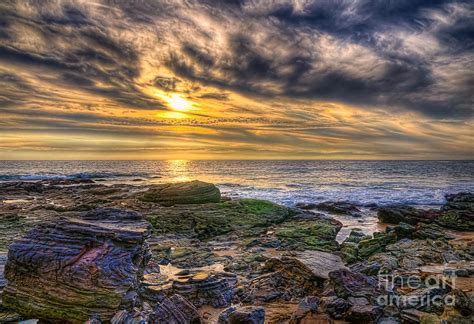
(176, 102)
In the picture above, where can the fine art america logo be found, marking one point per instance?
(433, 290)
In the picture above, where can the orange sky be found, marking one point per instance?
(86, 80)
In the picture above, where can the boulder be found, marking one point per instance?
(355, 236)
(349, 252)
(431, 231)
(210, 220)
(316, 234)
(353, 284)
(338, 207)
(192, 192)
(404, 230)
(459, 201)
(242, 315)
(461, 220)
(77, 268)
(395, 214)
(370, 246)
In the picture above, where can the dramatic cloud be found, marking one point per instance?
(230, 79)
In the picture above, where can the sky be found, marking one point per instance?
(237, 79)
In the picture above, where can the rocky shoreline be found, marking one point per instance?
(75, 251)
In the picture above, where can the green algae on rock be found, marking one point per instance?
(74, 268)
(318, 234)
(192, 192)
(210, 220)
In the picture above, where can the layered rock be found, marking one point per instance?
(459, 201)
(242, 315)
(192, 192)
(78, 267)
(457, 213)
(206, 288)
(294, 276)
(175, 310)
(339, 207)
(210, 220)
(347, 284)
(400, 213)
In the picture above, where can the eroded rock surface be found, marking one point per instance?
(77, 267)
(192, 192)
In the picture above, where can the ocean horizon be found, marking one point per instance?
(361, 182)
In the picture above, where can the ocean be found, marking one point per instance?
(421, 183)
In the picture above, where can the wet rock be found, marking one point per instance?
(3, 261)
(242, 315)
(314, 264)
(192, 192)
(334, 306)
(355, 236)
(353, 284)
(349, 252)
(459, 201)
(21, 186)
(7, 316)
(305, 206)
(67, 182)
(206, 288)
(462, 220)
(78, 267)
(210, 220)
(292, 277)
(364, 314)
(135, 316)
(404, 230)
(431, 231)
(369, 246)
(411, 254)
(339, 207)
(175, 310)
(395, 214)
(416, 316)
(317, 234)
(367, 268)
(273, 286)
(308, 305)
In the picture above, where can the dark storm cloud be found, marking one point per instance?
(412, 54)
(77, 50)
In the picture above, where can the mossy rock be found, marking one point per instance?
(377, 244)
(309, 235)
(455, 219)
(355, 236)
(192, 192)
(12, 226)
(209, 220)
(349, 252)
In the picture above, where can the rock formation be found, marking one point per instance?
(192, 192)
(78, 267)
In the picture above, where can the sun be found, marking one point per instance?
(176, 102)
